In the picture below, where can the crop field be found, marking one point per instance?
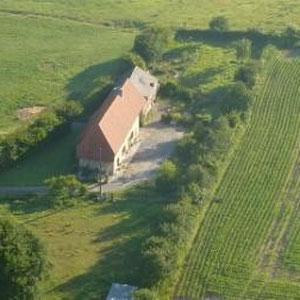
(90, 245)
(247, 246)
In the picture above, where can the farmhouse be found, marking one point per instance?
(114, 127)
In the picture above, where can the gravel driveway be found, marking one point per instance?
(157, 142)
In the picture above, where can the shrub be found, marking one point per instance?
(219, 23)
(66, 190)
(236, 97)
(243, 49)
(196, 193)
(68, 111)
(151, 43)
(144, 294)
(166, 180)
(163, 254)
(175, 91)
(247, 74)
(16, 145)
(233, 119)
(22, 259)
(134, 59)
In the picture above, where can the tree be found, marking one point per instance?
(151, 43)
(243, 49)
(236, 97)
(219, 23)
(66, 190)
(23, 261)
(247, 74)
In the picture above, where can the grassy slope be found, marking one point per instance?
(237, 250)
(269, 14)
(44, 61)
(53, 159)
(91, 245)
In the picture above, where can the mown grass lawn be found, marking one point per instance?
(57, 157)
(91, 245)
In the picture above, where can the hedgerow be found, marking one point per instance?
(195, 171)
(52, 122)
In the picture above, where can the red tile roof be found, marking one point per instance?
(110, 125)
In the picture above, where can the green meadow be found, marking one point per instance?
(46, 61)
(90, 245)
(267, 14)
(247, 245)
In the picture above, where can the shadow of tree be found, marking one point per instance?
(121, 263)
(224, 39)
(27, 205)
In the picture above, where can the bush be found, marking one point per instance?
(164, 254)
(66, 190)
(22, 259)
(135, 59)
(18, 144)
(68, 111)
(175, 91)
(243, 49)
(166, 180)
(144, 294)
(219, 23)
(236, 97)
(151, 43)
(247, 74)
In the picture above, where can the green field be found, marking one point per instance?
(91, 245)
(44, 61)
(268, 14)
(51, 159)
(51, 50)
(248, 242)
(238, 252)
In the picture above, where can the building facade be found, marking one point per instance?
(114, 127)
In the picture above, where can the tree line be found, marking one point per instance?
(54, 121)
(188, 180)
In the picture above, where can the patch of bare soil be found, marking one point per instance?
(27, 113)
